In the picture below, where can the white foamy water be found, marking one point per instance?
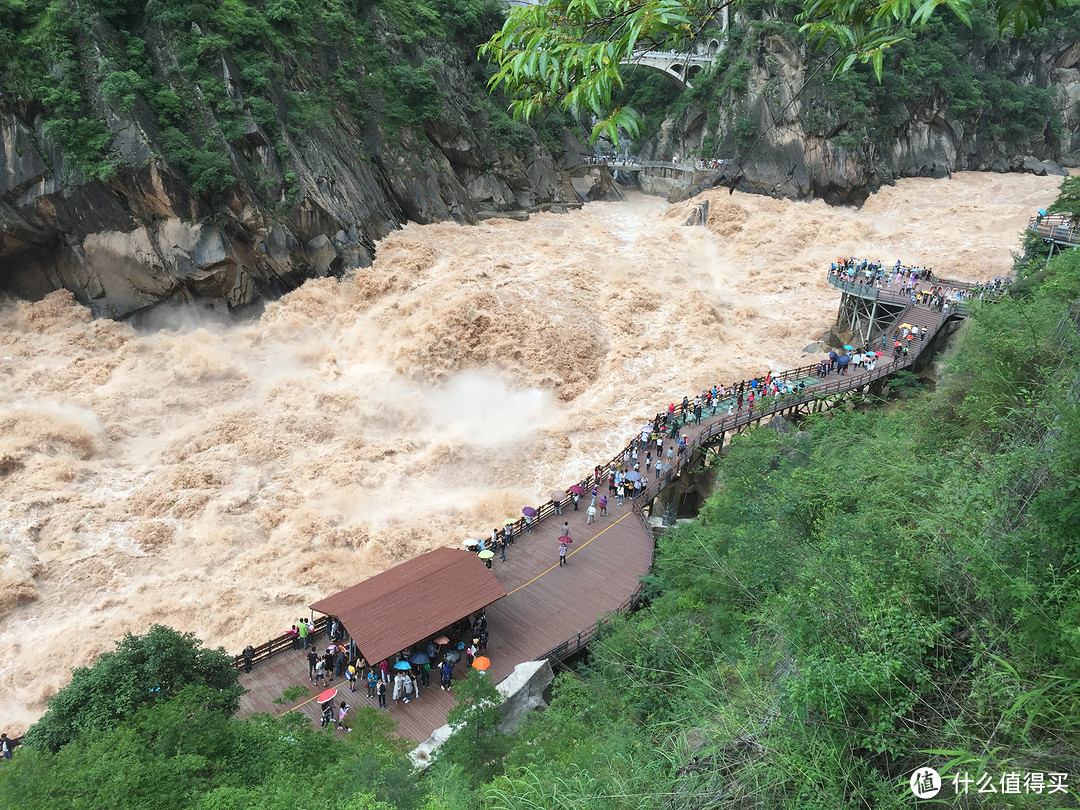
(221, 479)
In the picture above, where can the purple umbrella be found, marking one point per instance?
(528, 511)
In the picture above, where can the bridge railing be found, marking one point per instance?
(672, 56)
(278, 644)
(1057, 227)
(865, 289)
(772, 405)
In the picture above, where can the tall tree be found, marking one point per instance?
(143, 669)
(569, 52)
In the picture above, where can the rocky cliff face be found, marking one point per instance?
(792, 120)
(304, 203)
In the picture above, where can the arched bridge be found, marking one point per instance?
(681, 68)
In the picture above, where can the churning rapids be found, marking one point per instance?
(219, 479)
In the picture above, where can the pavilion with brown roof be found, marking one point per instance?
(412, 601)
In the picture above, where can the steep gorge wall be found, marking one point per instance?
(306, 201)
(790, 129)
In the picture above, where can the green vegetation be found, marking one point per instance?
(210, 81)
(142, 671)
(568, 53)
(943, 69)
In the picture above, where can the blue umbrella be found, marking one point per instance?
(402, 665)
(419, 658)
(843, 360)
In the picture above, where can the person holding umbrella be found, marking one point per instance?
(446, 675)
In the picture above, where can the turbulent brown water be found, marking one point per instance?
(219, 479)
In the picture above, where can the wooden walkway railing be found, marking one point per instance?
(1056, 228)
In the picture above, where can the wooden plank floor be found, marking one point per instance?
(546, 605)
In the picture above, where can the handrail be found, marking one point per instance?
(277, 644)
(864, 289)
(1056, 227)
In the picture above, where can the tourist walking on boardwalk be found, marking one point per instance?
(508, 534)
(372, 682)
(384, 671)
(501, 545)
(603, 504)
(446, 675)
(620, 493)
(576, 499)
(591, 512)
(399, 687)
(408, 686)
(249, 656)
(380, 691)
(312, 660)
(657, 469)
(565, 530)
(562, 554)
(342, 711)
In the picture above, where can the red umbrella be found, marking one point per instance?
(329, 694)
(565, 540)
(878, 354)
(577, 489)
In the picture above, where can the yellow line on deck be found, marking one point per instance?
(571, 554)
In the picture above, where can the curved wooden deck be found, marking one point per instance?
(551, 611)
(545, 605)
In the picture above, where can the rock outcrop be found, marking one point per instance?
(306, 202)
(793, 156)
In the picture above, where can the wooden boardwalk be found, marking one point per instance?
(547, 605)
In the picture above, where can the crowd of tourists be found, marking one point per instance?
(918, 284)
(400, 679)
